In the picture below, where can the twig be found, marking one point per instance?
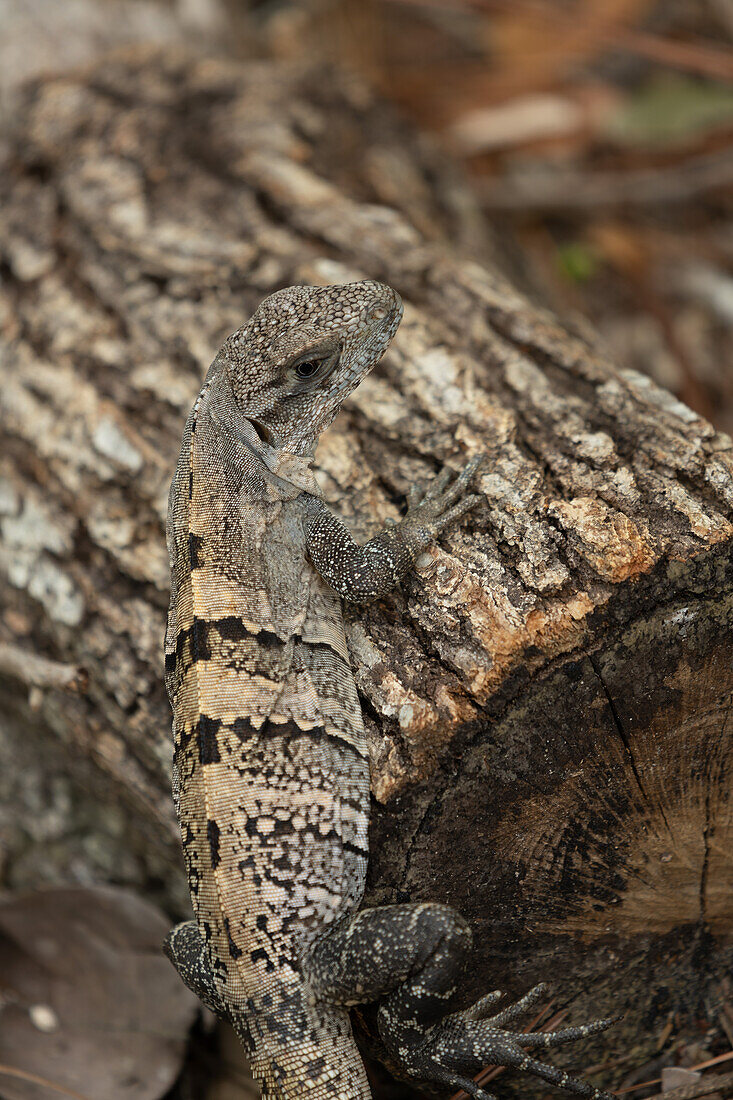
(693, 56)
(23, 1075)
(571, 191)
(697, 57)
(658, 1080)
(39, 672)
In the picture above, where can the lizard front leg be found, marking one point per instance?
(410, 958)
(367, 572)
(185, 947)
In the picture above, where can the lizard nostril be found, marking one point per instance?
(378, 313)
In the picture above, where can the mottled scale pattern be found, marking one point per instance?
(270, 769)
(272, 774)
(270, 762)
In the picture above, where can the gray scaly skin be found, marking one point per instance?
(271, 776)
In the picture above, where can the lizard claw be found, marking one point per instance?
(479, 1008)
(444, 501)
(512, 1011)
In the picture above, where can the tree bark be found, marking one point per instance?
(547, 704)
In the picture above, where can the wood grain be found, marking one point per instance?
(547, 703)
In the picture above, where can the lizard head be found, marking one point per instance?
(303, 352)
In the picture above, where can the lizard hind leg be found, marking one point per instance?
(186, 949)
(409, 958)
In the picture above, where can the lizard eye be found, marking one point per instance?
(314, 367)
(308, 369)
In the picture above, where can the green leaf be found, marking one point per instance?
(578, 261)
(671, 109)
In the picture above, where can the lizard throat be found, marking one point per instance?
(292, 468)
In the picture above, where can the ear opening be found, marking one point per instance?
(263, 433)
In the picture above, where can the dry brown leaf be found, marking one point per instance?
(88, 999)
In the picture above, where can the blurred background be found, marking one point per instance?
(596, 135)
(596, 138)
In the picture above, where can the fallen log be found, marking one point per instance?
(547, 703)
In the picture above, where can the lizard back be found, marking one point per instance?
(270, 768)
(270, 762)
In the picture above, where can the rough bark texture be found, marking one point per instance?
(547, 706)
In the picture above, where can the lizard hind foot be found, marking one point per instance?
(409, 959)
(460, 1045)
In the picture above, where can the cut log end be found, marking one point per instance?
(586, 832)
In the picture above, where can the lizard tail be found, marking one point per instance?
(322, 1062)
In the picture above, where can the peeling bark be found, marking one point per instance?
(547, 703)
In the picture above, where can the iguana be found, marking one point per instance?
(271, 775)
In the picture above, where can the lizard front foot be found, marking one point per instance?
(456, 1048)
(444, 501)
